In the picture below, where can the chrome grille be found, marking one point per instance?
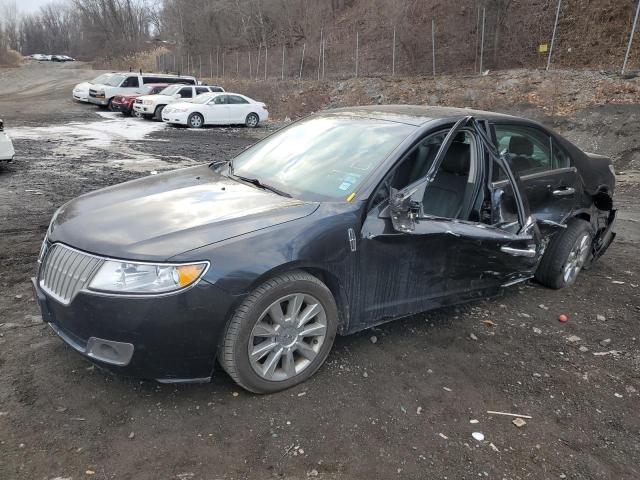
(65, 271)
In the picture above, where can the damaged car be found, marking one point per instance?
(338, 222)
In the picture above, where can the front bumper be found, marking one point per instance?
(170, 338)
(179, 118)
(6, 148)
(99, 101)
(121, 107)
(143, 109)
(81, 96)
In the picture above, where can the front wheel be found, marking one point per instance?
(195, 120)
(565, 255)
(252, 120)
(157, 115)
(281, 334)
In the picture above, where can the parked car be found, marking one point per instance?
(6, 146)
(57, 58)
(152, 106)
(41, 57)
(216, 109)
(130, 84)
(81, 90)
(124, 103)
(336, 223)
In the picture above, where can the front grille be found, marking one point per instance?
(93, 93)
(138, 100)
(65, 271)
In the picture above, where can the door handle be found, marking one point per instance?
(563, 192)
(519, 252)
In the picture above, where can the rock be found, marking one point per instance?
(605, 343)
(18, 297)
(573, 339)
(601, 318)
(473, 337)
(630, 389)
(418, 410)
(90, 472)
(537, 330)
(544, 307)
(478, 436)
(61, 409)
(373, 339)
(132, 435)
(21, 445)
(235, 394)
(313, 473)
(617, 395)
(583, 349)
(537, 375)
(519, 422)
(474, 421)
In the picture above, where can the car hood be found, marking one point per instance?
(183, 105)
(83, 86)
(160, 216)
(158, 98)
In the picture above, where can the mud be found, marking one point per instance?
(397, 408)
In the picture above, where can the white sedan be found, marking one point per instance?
(81, 90)
(6, 147)
(216, 109)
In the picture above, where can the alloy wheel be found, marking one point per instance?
(287, 337)
(577, 258)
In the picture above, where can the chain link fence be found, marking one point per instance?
(556, 35)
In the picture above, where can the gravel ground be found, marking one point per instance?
(398, 401)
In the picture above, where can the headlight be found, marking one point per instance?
(139, 278)
(147, 102)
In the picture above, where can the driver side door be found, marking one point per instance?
(216, 111)
(424, 246)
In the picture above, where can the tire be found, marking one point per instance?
(247, 326)
(157, 114)
(110, 105)
(195, 120)
(566, 254)
(252, 120)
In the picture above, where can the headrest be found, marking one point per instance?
(457, 159)
(520, 146)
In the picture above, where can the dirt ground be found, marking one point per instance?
(393, 402)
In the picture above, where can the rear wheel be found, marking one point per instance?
(281, 334)
(565, 255)
(252, 120)
(195, 120)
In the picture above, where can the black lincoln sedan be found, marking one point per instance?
(338, 222)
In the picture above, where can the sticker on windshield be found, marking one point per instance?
(345, 186)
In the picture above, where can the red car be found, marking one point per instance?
(124, 103)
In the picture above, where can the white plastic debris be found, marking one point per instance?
(478, 436)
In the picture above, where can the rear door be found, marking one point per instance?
(239, 108)
(547, 175)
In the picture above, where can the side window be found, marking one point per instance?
(186, 92)
(200, 90)
(130, 82)
(529, 148)
(217, 89)
(561, 158)
(220, 100)
(450, 192)
(235, 99)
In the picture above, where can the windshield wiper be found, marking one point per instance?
(259, 184)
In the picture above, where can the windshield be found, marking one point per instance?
(171, 89)
(321, 158)
(101, 78)
(202, 98)
(113, 80)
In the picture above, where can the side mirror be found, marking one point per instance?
(404, 210)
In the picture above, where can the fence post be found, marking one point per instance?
(302, 61)
(357, 48)
(484, 11)
(200, 62)
(266, 51)
(475, 60)
(319, 54)
(433, 45)
(258, 62)
(218, 61)
(393, 54)
(553, 35)
(282, 72)
(237, 64)
(174, 62)
(210, 66)
(249, 64)
(324, 44)
(633, 31)
(222, 63)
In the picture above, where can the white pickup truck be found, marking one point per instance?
(151, 106)
(81, 90)
(130, 84)
(6, 147)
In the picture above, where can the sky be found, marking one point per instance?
(28, 6)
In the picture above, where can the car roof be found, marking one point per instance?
(416, 115)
